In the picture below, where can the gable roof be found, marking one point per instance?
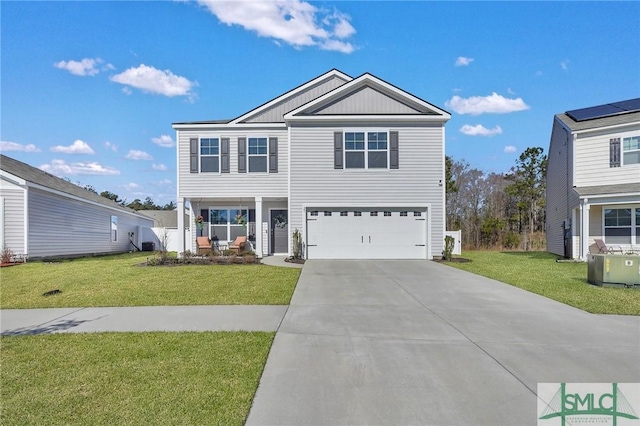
(274, 110)
(39, 177)
(578, 120)
(365, 96)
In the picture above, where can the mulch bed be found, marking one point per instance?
(453, 260)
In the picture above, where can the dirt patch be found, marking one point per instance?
(294, 260)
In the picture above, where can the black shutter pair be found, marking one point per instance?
(614, 152)
(224, 155)
(272, 152)
(338, 148)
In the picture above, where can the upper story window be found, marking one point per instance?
(366, 150)
(258, 150)
(210, 155)
(631, 150)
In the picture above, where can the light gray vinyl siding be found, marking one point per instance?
(59, 226)
(275, 113)
(592, 159)
(366, 101)
(315, 181)
(558, 187)
(232, 184)
(13, 217)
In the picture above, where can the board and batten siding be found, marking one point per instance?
(276, 112)
(12, 216)
(60, 226)
(315, 181)
(592, 159)
(232, 184)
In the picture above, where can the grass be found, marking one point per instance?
(121, 281)
(131, 378)
(538, 272)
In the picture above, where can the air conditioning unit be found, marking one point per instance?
(614, 270)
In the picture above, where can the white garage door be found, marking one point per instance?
(358, 233)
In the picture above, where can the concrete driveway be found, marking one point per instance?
(416, 342)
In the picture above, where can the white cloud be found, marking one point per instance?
(111, 146)
(60, 168)
(477, 105)
(510, 149)
(463, 61)
(480, 130)
(163, 182)
(14, 146)
(511, 92)
(294, 22)
(164, 141)
(152, 80)
(159, 167)
(565, 64)
(77, 147)
(84, 67)
(135, 154)
(132, 186)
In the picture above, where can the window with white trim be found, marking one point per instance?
(366, 150)
(210, 155)
(228, 224)
(622, 225)
(631, 150)
(258, 150)
(114, 228)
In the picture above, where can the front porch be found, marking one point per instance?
(263, 220)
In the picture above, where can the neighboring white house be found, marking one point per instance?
(43, 216)
(356, 165)
(593, 179)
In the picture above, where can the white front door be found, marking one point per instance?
(366, 233)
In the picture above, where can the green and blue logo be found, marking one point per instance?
(588, 403)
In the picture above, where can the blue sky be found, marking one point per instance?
(89, 89)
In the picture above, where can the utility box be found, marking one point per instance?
(614, 270)
(148, 246)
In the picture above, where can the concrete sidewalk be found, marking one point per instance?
(15, 322)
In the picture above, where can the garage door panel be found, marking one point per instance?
(366, 235)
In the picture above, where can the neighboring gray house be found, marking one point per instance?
(356, 165)
(593, 179)
(44, 216)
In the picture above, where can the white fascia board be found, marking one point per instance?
(230, 126)
(612, 127)
(366, 205)
(360, 118)
(294, 92)
(13, 178)
(362, 80)
(84, 200)
(620, 195)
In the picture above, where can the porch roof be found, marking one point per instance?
(623, 189)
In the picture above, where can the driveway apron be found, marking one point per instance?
(416, 342)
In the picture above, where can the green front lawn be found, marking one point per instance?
(538, 272)
(131, 378)
(121, 281)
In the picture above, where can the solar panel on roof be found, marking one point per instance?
(606, 110)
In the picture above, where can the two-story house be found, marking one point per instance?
(593, 179)
(355, 165)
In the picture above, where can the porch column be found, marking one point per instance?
(258, 220)
(180, 226)
(191, 242)
(584, 232)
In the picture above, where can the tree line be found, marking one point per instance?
(137, 204)
(498, 210)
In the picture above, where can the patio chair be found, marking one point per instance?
(602, 248)
(204, 245)
(238, 245)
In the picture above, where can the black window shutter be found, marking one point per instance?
(273, 155)
(224, 155)
(337, 150)
(242, 155)
(393, 151)
(193, 155)
(614, 152)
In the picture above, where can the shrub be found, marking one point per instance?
(6, 256)
(449, 244)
